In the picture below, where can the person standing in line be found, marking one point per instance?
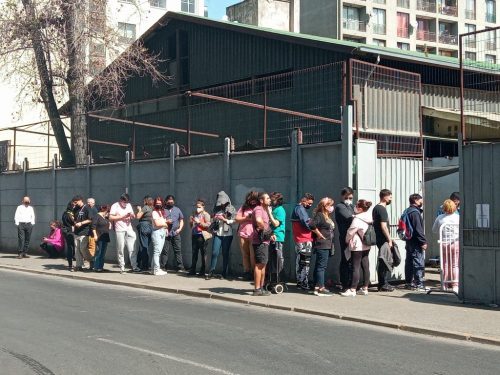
(100, 232)
(278, 217)
(200, 222)
(344, 214)
(451, 245)
(261, 238)
(302, 236)
(245, 231)
(358, 250)
(158, 236)
(323, 229)
(381, 226)
(91, 204)
(121, 214)
(83, 220)
(145, 230)
(455, 197)
(175, 221)
(68, 226)
(223, 218)
(24, 219)
(53, 244)
(416, 245)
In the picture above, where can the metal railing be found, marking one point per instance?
(404, 4)
(428, 36)
(403, 32)
(426, 6)
(447, 38)
(379, 29)
(448, 10)
(354, 25)
(470, 14)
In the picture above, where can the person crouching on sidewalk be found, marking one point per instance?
(53, 244)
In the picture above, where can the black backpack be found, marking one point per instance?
(369, 238)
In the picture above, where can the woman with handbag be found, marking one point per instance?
(200, 222)
(323, 227)
(357, 249)
(158, 236)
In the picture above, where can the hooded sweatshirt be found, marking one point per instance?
(223, 207)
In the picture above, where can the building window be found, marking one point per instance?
(127, 31)
(470, 40)
(470, 56)
(379, 42)
(490, 59)
(378, 20)
(158, 3)
(404, 46)
(351, 19)
(403, 23)
(470, 9)
(187, 6)
(491, 11)
(404, 4)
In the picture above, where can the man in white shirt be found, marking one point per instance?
(24, 219)
(121, 214)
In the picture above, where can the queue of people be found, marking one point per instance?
(260, 224)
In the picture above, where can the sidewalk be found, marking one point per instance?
(437, 314)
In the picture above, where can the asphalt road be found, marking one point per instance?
(58, 326)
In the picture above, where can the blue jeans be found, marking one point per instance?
(158, 239)
(100, 253)
(414, 265)
(322, 256)
(144, 229)
(223, 242)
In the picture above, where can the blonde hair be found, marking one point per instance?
(449, 207)
(321, 207)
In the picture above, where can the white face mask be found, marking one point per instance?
(330, 209)
(348, 201)
(199, 209)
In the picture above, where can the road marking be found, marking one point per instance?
(166, 356)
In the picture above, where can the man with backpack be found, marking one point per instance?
(416, 243)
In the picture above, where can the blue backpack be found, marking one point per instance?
(405, 229)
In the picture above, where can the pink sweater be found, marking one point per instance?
(55, 238)
(357, 230)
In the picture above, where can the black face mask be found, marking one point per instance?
(169, 205)
(158, 206)
(308, 206)
(388, 203)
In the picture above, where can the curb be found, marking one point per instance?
(191, 293)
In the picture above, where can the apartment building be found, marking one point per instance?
(273, 14)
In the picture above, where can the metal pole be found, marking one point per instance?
(462, 91)
(174, 151)
(265, 114)
(25, 175)
(14, 157)
(127, 172)
(54, 187)
(89, 183)
(227, 165)
(48, 145)
(188, 134)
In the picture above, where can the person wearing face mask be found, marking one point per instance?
(160, 226)
(24, 219)
(323, 230)
(175, 221)
(381, 226)
(416, 245)
(344, 214)
(302, 236)
(200, 222)
(121, 214)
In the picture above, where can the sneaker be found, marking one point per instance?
(159, 273)
(362, 292)
(323, 292)
(136, 270)
(26, 255)
(348, 293)
(261, 292)
(455, 289)
(122, 271)
(409, 287)
(20, 256)
(422, 289)
(386, 288)
(78, 269)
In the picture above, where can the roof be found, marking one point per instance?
(306, 39)
(485, 119)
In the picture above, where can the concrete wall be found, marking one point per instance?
(273, 14)
(320, 17)
(293, 170)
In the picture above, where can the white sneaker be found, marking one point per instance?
(160, 273)
(455, 289)
(362, 292)
(348, 293)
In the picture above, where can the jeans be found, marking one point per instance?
(23, 237)
(172, 243)
(144, 229)
(414, 265)
(158, 239)
(322, 256)
(126, 238)
(381, 272)
(360, 260)
(69, 244)
(100, 253)
(198, 244)
(223, 242)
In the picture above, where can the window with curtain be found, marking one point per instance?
(490, 11)
(351, 13)
(187, 6)
(403, 23)
(378, 19)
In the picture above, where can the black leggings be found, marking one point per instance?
(360, 260)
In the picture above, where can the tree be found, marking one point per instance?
(57, 50)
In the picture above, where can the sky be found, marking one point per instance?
(217, 8)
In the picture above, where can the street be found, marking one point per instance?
(56, 326)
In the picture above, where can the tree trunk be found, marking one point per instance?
(67, 157)
(76, 41)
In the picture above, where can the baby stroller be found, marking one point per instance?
(273, 283)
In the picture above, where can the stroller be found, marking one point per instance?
(273, 283)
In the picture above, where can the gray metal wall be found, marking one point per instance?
(480, 246)
(314, 168)
(449, 97)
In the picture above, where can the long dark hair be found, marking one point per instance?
(252, 196)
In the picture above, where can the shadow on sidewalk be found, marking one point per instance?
(443, 299)
(55, 267)
(222, 290)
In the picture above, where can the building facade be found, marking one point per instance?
(274, 14)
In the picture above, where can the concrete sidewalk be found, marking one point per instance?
(437, 314)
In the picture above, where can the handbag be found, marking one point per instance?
(92, 246)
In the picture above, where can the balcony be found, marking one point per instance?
(448, 10)
(379, 29)
(427, 36)
(404, 4)
(426, 6)
(354, 25)
(447, 38)
(403, 32)
(491, 18)
(470, 14)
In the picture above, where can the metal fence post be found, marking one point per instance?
(294, 154)
(25, 176)
(127, 172)
(174, 152)
(227, 165)
(54, 186)
(347, 149)
(89, 185)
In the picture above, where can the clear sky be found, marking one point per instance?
(217, 8)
